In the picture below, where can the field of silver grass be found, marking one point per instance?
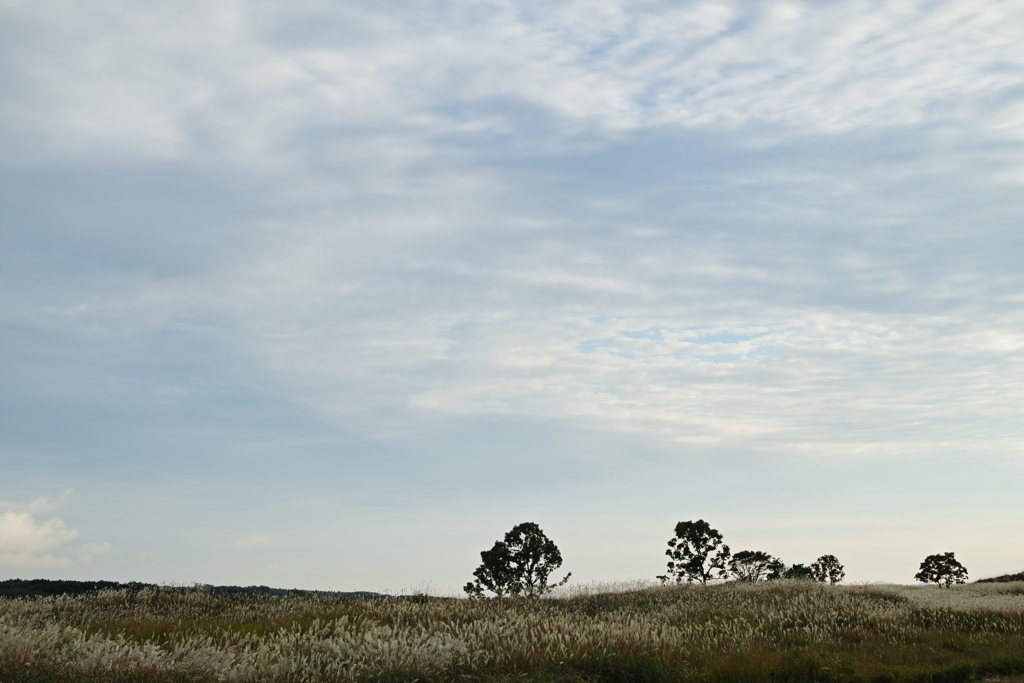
(777, 631)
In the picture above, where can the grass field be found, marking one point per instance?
(753, 633)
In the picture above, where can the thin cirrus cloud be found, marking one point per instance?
(781, 229)
(163, 83)
(618, 68)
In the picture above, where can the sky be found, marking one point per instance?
(331, 295)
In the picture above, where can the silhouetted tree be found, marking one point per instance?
(943, 570)
(827, 568)
(750, 565)
(696, 553)
(519, 565)
(776, 569)
(798, 571)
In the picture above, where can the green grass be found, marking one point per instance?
(779, 632)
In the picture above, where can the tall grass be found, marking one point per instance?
(748, 633)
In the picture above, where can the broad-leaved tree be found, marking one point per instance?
(519, 565)
(696, 553)
(827, 568)
(942, 569)
(750, 565)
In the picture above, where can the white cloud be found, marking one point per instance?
(259, 540)
(19, 532)
(26, 541)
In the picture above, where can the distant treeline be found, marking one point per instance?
(21, 588)
(16, 588)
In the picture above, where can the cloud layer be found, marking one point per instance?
(391, 240)
(253, 79)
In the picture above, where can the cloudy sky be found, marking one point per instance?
(331, 295)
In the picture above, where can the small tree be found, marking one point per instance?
(519, 565)
(696, 553)
(827, 568)
(776, 569)
(943, 570)
(799, 572)
(750, 565)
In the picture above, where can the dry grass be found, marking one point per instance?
(776, 632)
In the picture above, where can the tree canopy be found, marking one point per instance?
(696, 553)
(750, 565)
(798, 571)
(942, 569)
(827, 568)
(518, 565)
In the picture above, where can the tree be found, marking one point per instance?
(828, 568)
(519, 565)
(750, 565)
(776, 569)
(799, 572)
(943, 570)
(691, 555)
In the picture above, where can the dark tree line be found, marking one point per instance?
(16, 588)
(697, 553)
(521, 564)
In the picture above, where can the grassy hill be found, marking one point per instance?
(778, 632)
(1005, 578)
